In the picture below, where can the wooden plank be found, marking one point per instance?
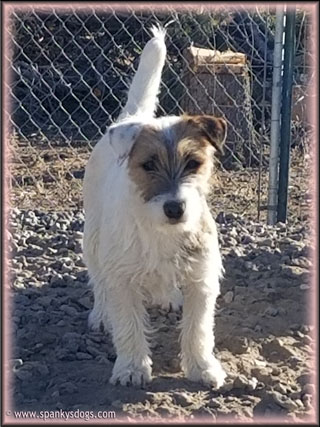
(221, 69)
(199, 56)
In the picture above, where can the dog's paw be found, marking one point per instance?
(211, 373)
(127, 374)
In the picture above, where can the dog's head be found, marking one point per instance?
(170, 162)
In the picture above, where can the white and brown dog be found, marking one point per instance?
(149, 232)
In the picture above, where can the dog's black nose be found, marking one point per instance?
(174, 209)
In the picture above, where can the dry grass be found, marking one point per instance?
(50, 178)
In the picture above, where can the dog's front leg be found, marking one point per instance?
(127, 316)
(197, 338)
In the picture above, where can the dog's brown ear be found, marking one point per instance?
(214, 129)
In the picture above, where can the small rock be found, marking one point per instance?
(307, 401)
(277, 348)
(237, 345)
(23, 374)
(172, 317)
(64, 354)
(47, 338)
(22, 299)
(102, 360)
(280, 388)
(253, 382)
(61, 323)
(96, 338)
(301, 262)
(78, 235)
(263, 375)
(307, 340)
(57, 282)
(71, 311)
(246, 239)
(68, 388)
(276, 371)
(284, 402)
(258, 328)
(305, 329)
(240, 382)
(83, 356)
(281, 226)
(174, 364)
(294, 361)
(233, 232)
(214, 403)
(299, 403)
(93, 351)
(221, 218)
(41, 368)
(260, 363)
(182, 399)
(249, 265)
(271, 311)
(44, 301)
(236, 252)
(117, 404)
(304, 379)
(85, 302)
(266, 242)
(71, 341)
(228, 297)
(247, 412)
(308, 389)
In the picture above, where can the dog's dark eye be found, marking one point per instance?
(149, 166)
(192, 165)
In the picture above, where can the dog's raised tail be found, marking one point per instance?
(144, 89)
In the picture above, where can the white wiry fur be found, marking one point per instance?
(133, 255)
(142, 97)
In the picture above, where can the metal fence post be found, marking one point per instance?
(275, 118)
(286, 107)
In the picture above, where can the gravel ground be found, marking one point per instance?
(263, 331)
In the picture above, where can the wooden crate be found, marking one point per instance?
(218, 83)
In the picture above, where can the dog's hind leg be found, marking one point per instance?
(127, 315)
(97, 319)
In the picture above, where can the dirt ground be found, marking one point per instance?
(264, 332)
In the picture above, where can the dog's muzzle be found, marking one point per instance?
(174, 209)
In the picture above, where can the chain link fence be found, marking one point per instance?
(70, 69)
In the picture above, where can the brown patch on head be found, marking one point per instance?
(160, 160)
(148, 163)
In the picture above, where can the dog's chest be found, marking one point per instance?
(167, 263)
(163, 276)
